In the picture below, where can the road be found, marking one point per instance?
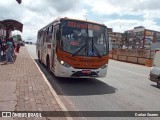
(125, 88)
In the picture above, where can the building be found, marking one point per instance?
(140, 37)
(115, 38)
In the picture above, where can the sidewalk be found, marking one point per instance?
(22, 88)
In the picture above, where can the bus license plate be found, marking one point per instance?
(86, 71)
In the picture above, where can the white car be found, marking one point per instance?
(155, 69)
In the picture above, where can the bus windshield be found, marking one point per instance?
(84, 39)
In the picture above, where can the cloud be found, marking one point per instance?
(145, 13)
(10, 9)
(124, 7)
(46, 6)
(34, 14)
(121, 25)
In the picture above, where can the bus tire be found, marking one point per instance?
(158, 82)
(39, 57)
(48, 64)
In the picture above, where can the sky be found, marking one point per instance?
(121, 15)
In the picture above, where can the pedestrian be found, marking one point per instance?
(13, 48)
(0, 49)
(9, 49)
(18, 47)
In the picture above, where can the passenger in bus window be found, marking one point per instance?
(75, 37)
(82, 38)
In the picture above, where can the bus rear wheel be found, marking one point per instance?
(48, 64)
(39, 57)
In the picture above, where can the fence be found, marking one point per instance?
(137, 56)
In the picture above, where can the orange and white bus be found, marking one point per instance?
(74, 48)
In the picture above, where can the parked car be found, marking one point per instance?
(155, 69)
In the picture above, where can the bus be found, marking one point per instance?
(74, 48)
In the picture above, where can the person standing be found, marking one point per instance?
(18, 47)
(13, 48)
(0, 49)
(9, 49)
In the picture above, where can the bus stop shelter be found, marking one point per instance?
(11, 25)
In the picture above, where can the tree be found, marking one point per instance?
(17, 37)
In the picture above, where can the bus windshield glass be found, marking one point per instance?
(84, 39)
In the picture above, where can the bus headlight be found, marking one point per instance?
(104, 66)
(64, 64)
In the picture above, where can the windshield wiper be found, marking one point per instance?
(99, 55)
(79, 50)
(93, 45)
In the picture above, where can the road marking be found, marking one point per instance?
(60, 103)
(130, 72)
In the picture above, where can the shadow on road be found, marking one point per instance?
(76, 86)
(80, 86)
(154, 86)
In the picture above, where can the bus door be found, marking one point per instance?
(53, 50)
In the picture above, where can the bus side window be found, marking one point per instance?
(54, 36)
(41, 36)
(48, 31)
(44, 37)
(58, 35)
(51, 29)
(49, 34)
(55, 30)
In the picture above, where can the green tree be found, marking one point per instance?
(17, 37)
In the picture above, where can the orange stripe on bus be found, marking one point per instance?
(81, 61)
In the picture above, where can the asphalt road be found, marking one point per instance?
(125, 88)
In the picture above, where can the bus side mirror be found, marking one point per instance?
(58, 35)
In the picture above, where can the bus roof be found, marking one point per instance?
(66, 18)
